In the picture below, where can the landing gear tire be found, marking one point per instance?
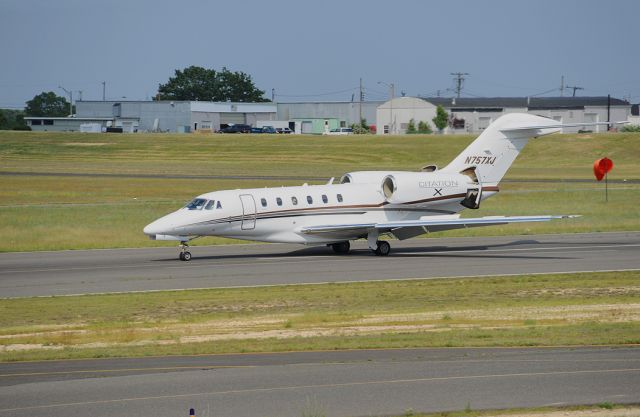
(341, 248)
(185, 255)
(383, 248)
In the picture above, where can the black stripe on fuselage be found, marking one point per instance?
(319, 211)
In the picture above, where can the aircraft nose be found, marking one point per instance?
(151, 228)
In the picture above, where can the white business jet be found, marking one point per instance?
(365, 204)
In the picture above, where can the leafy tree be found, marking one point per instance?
(362, 128)
(411, 128)
(442, 118)
(197, 83)
(423, 127)
(47, 104)
(20, 123)
(4, 123)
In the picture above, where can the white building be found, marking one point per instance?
(472, 115)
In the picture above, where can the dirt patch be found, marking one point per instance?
(86, 144)
(597, 412)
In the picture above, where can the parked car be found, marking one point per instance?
(283, 130)
(237, 128)
(256, 130)
(340, 131)
(268, 129)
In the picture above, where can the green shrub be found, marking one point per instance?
(630, 128)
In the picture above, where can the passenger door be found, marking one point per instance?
(248, 212)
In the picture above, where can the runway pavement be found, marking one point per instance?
(340, 383)
(98, 271)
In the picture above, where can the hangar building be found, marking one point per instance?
(158, 116)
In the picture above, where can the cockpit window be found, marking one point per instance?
(210, 205)
(219, 205)
(196, 204)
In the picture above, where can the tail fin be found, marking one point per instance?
(493, 152)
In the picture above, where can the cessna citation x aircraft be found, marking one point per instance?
(365, 204)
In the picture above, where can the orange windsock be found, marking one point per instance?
(601, 167)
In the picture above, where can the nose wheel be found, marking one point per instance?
(185, 255)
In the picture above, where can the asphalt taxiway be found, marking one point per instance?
(337, 383)
(122, 270)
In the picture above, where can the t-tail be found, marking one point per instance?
(493, 152)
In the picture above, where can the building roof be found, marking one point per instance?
(82, 119)
(541, 103)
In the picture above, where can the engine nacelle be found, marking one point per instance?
(424, 188)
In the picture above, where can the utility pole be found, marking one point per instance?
(70, 99)
(562, 86)
(361, 100)
(392, 93)
(574, 89)
(608, 114)
(273, 95)
(459, 80)
(104, 89)
(80, 95)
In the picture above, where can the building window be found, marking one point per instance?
(279, 201)
(263, 201)
(325, 199)
(343, 123)
(47, 122)
(309, 199)
(458, 123)
(339, 196)
(36, 122)
(386, 129)
(294, 201)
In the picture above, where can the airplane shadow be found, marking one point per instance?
(408, 252)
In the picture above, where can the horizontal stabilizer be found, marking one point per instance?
(557, 126)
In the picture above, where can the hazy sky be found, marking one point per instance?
(318, 50)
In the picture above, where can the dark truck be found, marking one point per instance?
(237, 128)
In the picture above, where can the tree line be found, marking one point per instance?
(189, 84)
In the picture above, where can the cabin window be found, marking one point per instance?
(196, 204)
(339, 196)
(210, 205)
(263, 201)
(218, 206)
(325, 199)
(294, 201)
(309, 199)
(279, 201)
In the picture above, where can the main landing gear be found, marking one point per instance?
(185, 255)
(341, 248)
(383, 248)
(379, 247)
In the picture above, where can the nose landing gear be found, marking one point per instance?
(185, 255)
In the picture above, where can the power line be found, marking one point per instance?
(320, 94)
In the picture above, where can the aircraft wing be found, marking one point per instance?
(405, 229)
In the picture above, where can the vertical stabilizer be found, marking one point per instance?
(493, 152)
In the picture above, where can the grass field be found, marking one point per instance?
(555, 309)
(63, 212)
